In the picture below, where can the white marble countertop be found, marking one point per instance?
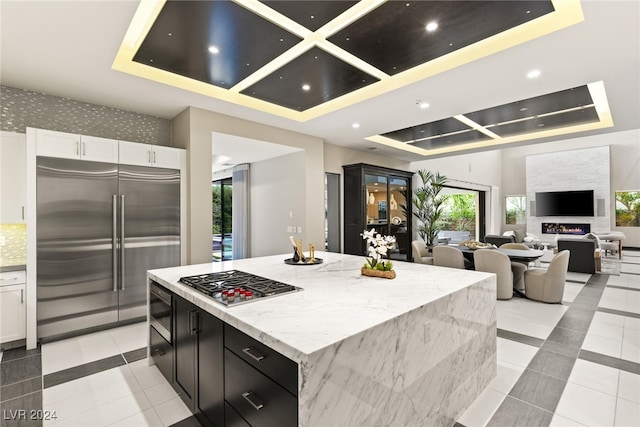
(336, 302)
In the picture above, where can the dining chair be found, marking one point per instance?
(420, 252)
(520, 246)
(548, 285)
(448, 256)
(517, 267)
(492, 261)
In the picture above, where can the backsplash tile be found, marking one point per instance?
(23, 108)
(14, 251)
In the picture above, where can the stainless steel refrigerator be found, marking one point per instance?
(100, 227)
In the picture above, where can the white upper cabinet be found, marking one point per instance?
(98, 149)
(135, 153)
(13, 177)
(71, 146)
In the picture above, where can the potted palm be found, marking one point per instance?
(427, 205)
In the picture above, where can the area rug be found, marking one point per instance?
(611, 265)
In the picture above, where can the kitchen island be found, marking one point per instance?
(416, 350)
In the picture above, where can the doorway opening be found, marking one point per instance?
(221, 232)
(463, 216)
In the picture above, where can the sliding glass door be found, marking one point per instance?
(463, 216)
(221, 209)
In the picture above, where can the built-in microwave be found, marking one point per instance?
(160, 310)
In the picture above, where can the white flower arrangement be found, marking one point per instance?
(377, 248)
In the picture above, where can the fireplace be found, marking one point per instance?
(565, 228)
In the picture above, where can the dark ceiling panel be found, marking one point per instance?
(426, 130)
(310, 14)
(393, 37)
(449, 140)
(180, 38)
(557, 101)
(327, 76)
(571, 118)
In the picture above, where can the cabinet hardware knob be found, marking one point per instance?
(251, 352)
(253, 401)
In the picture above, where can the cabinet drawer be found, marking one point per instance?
(13, 277)
(232, 418)
(162, 354)
(281, 369)
(256, 397)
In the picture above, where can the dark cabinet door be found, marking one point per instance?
(211, 369)
(185, 346)
(257, 398)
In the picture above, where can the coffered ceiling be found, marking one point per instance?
(356, 73)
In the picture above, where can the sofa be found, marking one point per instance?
(498, 240)
(581, 254)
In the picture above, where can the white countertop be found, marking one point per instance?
(337, 301)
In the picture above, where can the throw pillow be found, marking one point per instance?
(520, 234)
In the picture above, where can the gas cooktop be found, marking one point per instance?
(236, 287)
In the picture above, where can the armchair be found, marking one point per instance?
(582, 254)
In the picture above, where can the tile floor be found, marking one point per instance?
(574, 364)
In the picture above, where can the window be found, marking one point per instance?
(516, 210)
(221, 210)
(627, 208)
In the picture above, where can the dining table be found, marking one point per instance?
(520, 255)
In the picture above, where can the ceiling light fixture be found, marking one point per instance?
(355, 125)
(306, 87)
(432, 26)
(214, 50)
(533, 74)
(424, 105)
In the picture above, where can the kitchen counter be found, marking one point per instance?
(17, 267)
(415, 350)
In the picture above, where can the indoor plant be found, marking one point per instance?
(377, 248)
(427, 205)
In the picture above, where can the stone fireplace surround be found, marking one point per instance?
(585, 168)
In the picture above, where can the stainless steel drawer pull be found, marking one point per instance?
(251, 352)
(253, 401)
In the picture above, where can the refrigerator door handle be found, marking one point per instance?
(114, 242)
(122, 242)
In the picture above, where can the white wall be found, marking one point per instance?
(479, 171)
(192, 129)
(278, 196)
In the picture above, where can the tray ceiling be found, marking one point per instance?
(304, 59)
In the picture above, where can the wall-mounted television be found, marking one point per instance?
(564, 203)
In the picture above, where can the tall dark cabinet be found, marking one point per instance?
(380, 198)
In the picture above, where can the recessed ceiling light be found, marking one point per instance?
(533, 74)
(306, 87)
(355, 125)
(214, 50)
(424, 105)
(169, 34)
(432, 26)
